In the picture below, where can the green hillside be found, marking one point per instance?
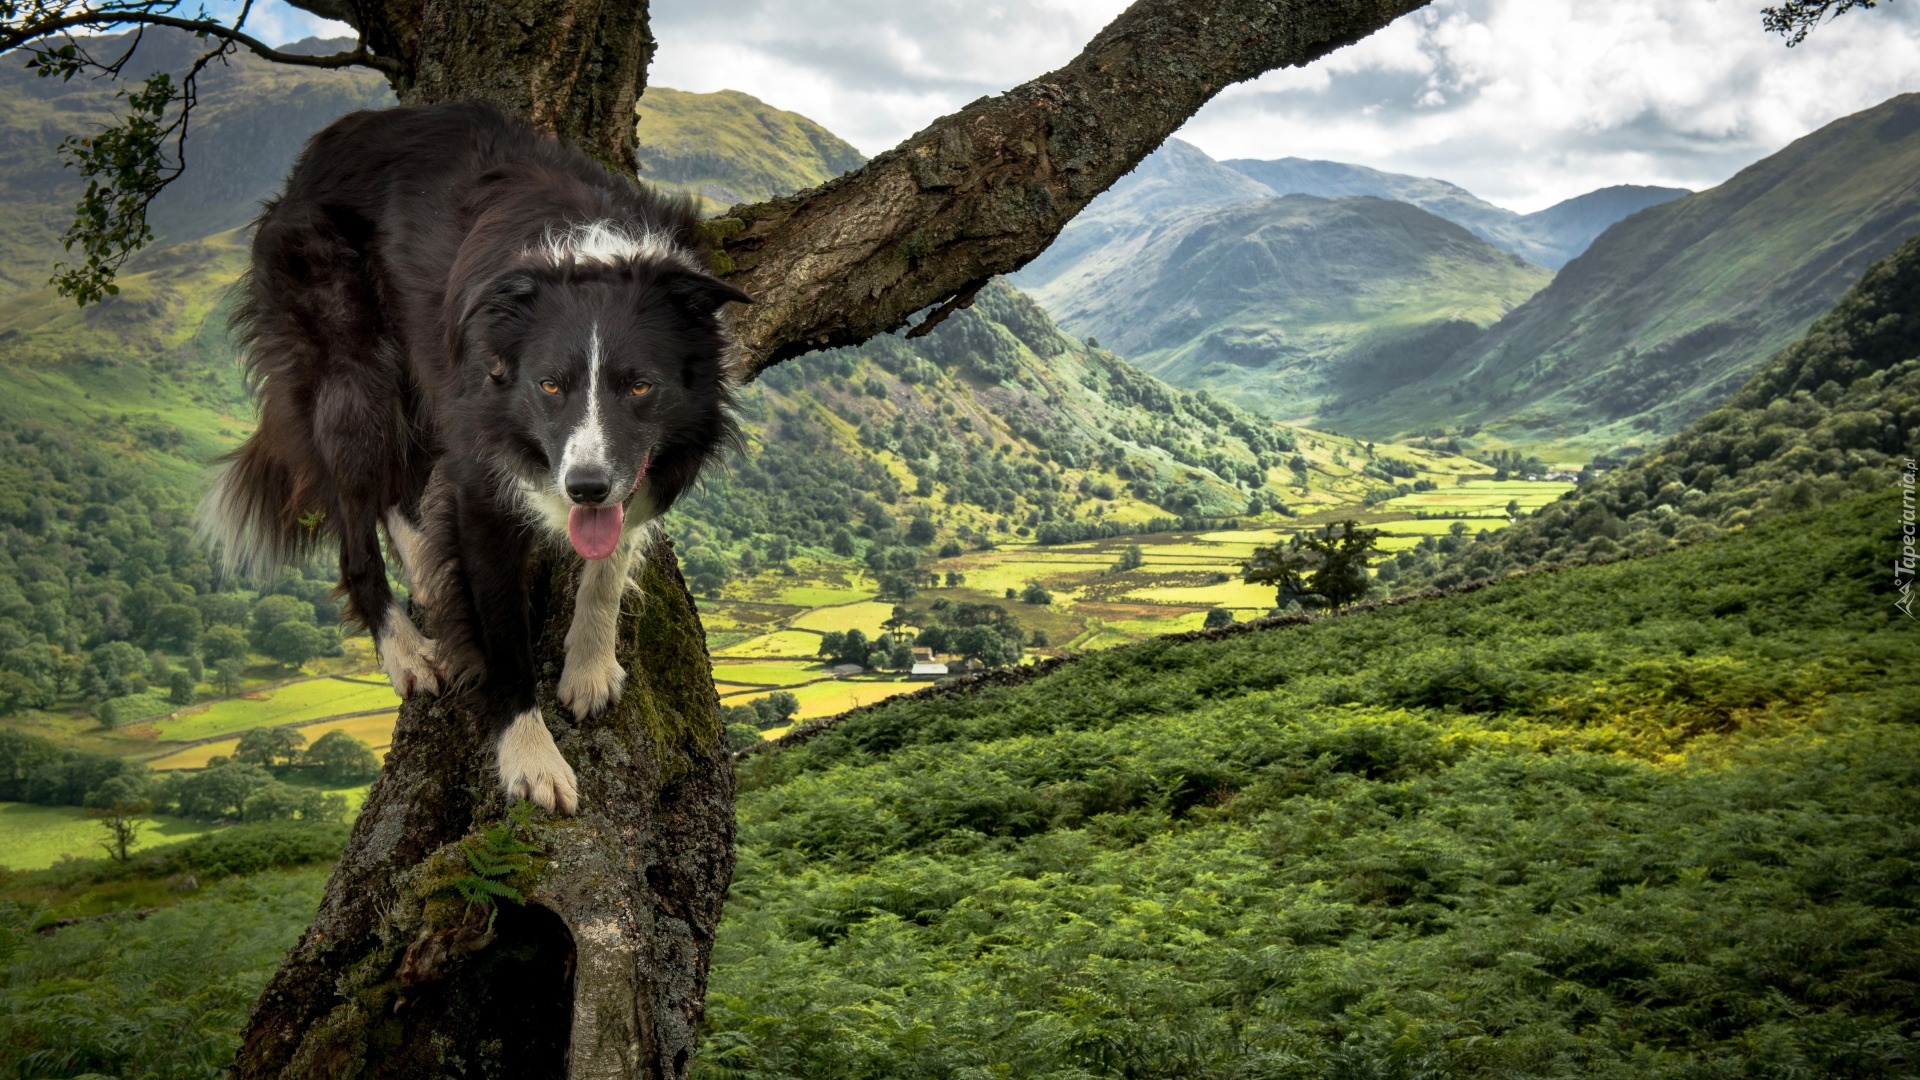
(1283, 303)
(1651, 819)
(252, 118)
(1595, 823)
(728, 147)
(1835, 414)
(1673, 309)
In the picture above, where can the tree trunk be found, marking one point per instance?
(602, 971)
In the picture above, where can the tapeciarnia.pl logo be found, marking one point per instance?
(1903, 564)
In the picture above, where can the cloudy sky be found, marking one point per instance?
(1523, 102)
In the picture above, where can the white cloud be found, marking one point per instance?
(1524, 102)
(278, 23)
(872, 71)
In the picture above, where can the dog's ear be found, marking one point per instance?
(487, 310)
(701, 294)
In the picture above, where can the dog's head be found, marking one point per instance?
(605, 381)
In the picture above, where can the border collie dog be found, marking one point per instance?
(475, 337)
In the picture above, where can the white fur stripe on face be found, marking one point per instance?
(587, 445)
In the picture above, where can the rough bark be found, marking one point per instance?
(602, 972)
(575, 67)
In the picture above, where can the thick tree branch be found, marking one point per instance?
(986, 189)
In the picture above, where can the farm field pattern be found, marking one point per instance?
(765, 631)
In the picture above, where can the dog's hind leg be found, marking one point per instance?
(412, 662)
(593, 677)
(361, 438)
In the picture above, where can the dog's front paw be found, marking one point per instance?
(588, 686)
(409, 659)
(531, 766)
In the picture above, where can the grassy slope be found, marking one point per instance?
(1280, 303)
(729, 147)
(1594, 823)
(1672, 309)
(1837, 412)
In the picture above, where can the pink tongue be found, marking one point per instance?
(595, 530)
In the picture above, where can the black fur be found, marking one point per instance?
(406, 319)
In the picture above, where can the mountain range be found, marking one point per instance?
(1666, 303)
(1549, 238)
(1287, 302)
(1673, 308)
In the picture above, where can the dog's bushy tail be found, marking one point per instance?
(259, 514)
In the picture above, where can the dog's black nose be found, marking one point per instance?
(588, 485)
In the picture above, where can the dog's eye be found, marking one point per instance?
(549, 386)
(640, 388)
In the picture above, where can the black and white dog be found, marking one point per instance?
(463, 331)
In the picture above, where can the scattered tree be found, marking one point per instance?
(228, 675)
(269, 746)
(293, 643)
(742, 735)
(1324, 569)
(180, 688)
(223, 642)
(118, 804)
(339, 758)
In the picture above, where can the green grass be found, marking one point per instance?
(787, 674)
(39, 836)
(865, 616)
(162, 996)
(781, 643)
(831, 697)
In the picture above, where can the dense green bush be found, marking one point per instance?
(37, 770)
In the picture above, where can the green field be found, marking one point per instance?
(865, 616)
(39, 836)
(766, 674)
(1092, 607)
(376, 731)
(293, 703)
